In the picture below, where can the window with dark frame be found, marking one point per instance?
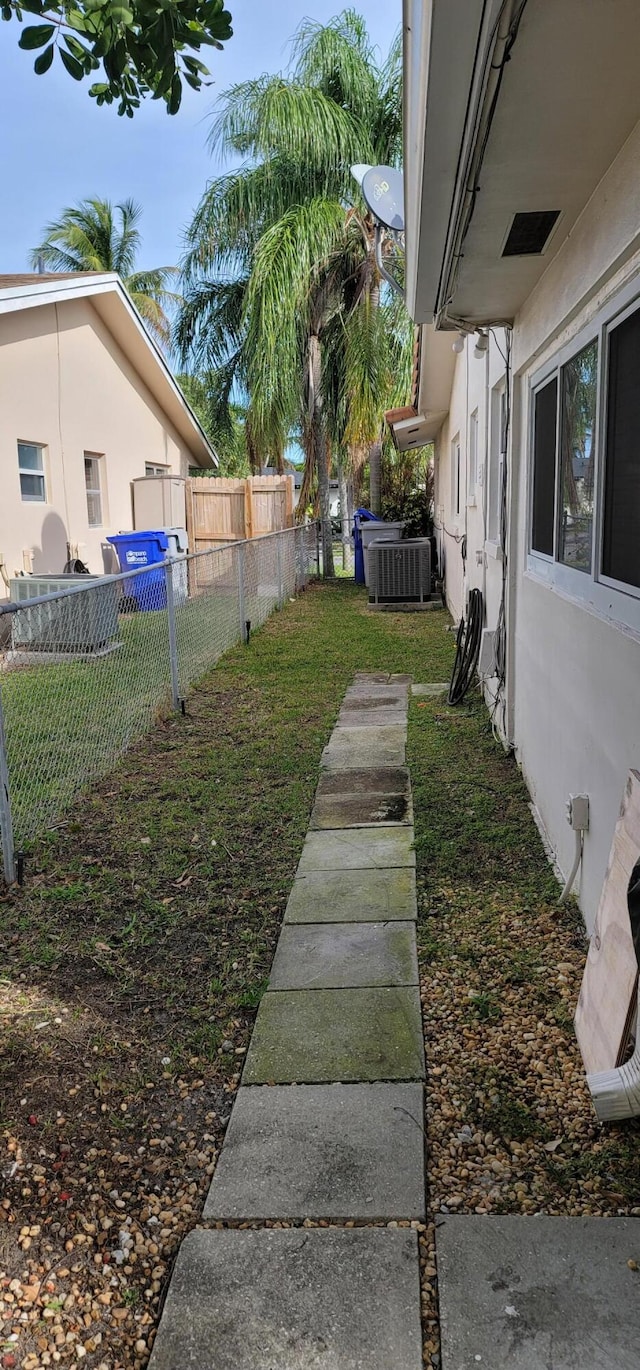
(621, 521)
(563, 475)
(577, 453)
(564, 495)
(544, 467)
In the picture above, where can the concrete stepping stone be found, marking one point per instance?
(322, 1151)
(368, 701)
(362, 701)
(353, 897)
(345, 956)
(357, 849)
(366, 746)
(378, 718)
(311, 1036)
(332, 811)
(530, 1293)
(293, 1299)
(368, 780)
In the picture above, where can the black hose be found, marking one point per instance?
(467, 648)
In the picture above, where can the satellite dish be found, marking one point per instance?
(359, 171)
(383, 193)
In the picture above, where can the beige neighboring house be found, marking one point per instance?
(87, 404)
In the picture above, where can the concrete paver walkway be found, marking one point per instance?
(328, 1126)
(328, 1122)
(293, 1300)
(346, 1151)
(353, 897)
(546, 1293)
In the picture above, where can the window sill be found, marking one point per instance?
(493, 549)
(616, 608)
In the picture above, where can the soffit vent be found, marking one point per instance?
(529, 233)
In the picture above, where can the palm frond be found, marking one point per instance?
(338, 59)
(210, 323)
(276, 116)
(125, 240)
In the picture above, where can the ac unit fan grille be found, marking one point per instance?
(400, 572)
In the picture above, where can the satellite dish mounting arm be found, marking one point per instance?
(386, 275)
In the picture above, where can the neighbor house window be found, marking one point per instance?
(32, 475)
(455, 475)
(93, 484)
(473, 455)
(152, 469)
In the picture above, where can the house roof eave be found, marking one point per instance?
(113, 305)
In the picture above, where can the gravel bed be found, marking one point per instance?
(509, 1121)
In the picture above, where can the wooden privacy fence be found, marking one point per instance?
(221, 510)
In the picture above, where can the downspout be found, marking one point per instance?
(513, 488)
(485, 464)
(63, 468)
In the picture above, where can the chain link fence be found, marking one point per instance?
(87, 670)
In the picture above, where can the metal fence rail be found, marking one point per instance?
(86, 671)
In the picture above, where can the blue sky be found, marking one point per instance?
(58, 147)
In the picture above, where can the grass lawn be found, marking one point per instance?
(133, 960)
(68, 722)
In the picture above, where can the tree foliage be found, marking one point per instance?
(224, 422)
(136, 47)
(98, 236)
(282, 292)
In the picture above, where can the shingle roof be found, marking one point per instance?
(35, 277)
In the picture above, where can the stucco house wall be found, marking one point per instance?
(65, 383)
(576, 690)
(573, 710)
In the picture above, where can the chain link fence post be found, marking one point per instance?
(241, 600)
(173, 636)
(6, 825)
(280, 582)
(318, 550)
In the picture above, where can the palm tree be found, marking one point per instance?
(95, 235)
(224, 422)
(280, 283)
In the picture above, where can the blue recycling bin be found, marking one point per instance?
(360, 516)
(144, 548)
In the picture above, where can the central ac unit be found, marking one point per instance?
(85, 621)
(400, 572)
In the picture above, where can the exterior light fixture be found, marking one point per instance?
(458, 345)
(482, 344)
